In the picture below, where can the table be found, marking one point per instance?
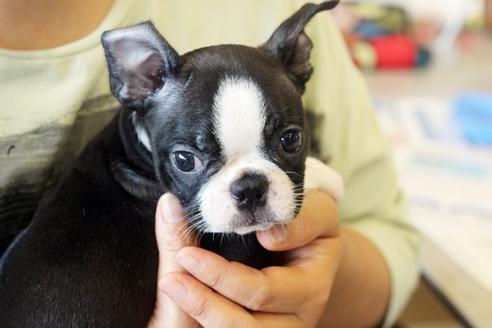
(452, 271)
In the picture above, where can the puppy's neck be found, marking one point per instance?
(137, 150)
(136, 172)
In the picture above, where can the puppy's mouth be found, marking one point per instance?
(243, 223)
(246, 229)
(251, 222)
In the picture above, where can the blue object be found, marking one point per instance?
(368, 30)
(424, 56)
(473, 112)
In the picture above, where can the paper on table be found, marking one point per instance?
(449, 184)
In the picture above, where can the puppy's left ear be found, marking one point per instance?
(140, 60)
(292, 47)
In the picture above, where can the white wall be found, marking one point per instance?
(440, 8)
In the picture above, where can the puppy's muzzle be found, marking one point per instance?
(250, 192)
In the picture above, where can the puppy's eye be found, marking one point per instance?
(186, 161)
(292, 140)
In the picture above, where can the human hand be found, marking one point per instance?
(172, 235)
(219, 293)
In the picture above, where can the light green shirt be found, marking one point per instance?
(54, 100)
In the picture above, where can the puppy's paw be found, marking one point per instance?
(318, 175)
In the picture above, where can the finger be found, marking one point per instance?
(170, 228)
(318, 218)
(212, 310)
(274, 289)
(208, 308)
(172, 232)
(279, 320)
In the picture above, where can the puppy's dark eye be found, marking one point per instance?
(292, 140)
(186, 161)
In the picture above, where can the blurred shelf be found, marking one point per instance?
(466, 68)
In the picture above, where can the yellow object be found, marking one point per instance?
(393, 18)
(365, 55)
(44, 93)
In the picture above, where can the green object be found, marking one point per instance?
(365, 55)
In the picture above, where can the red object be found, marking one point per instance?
(395, 51)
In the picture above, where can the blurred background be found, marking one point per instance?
(429, 68)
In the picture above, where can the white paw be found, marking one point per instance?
(318, 175)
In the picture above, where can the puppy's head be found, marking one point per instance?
(224, 124)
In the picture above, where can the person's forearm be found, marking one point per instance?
(361, 290)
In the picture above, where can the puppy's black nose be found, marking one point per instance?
(250, 191)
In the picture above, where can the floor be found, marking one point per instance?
(426, 310)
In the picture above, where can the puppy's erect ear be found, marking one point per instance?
(290, 44)
(139, 61)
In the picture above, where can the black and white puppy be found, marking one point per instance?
(221, 127)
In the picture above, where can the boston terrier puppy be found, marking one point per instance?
(221, 127)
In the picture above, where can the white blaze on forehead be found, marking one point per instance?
(239, 116)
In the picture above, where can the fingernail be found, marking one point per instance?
(174, 289)
(278, 233)
(172, 211)
(190, 263)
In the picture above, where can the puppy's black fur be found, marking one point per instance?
(89, 257)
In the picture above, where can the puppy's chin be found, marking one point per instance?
(243, 225)
(244, 230)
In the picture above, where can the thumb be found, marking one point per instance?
(172, 234)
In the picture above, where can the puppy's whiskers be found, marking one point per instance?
(195, 224)
(294, 173)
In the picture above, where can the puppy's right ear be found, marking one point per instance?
(139, 61)
(292, 47)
